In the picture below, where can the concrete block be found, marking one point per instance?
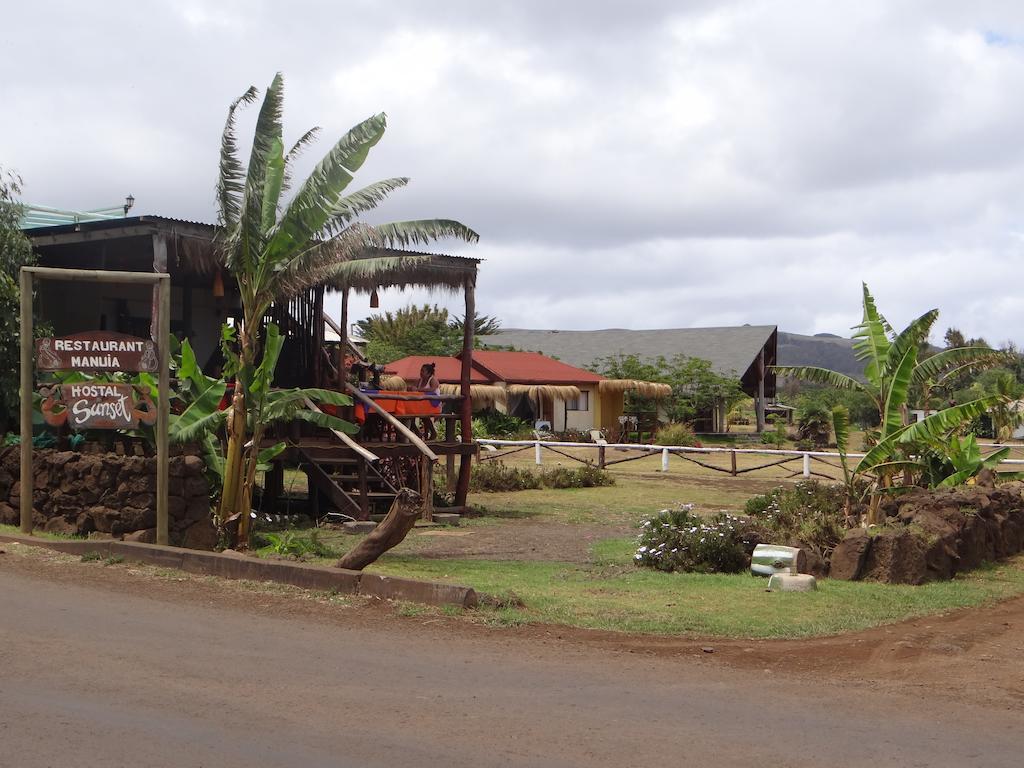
(447, 518)
(429, 592)
(792, 582)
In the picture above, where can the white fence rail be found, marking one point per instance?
(687, 453)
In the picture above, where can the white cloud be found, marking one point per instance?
(718, 162)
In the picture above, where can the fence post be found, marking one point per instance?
(664, 459)
(600, 457)
(732, 457)
(536, 453)
(807, 465)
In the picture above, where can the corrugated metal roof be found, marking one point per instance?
(118, 223)
(730, 350)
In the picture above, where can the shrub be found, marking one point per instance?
(809, 512)
(291, 544)
(676, 433)
(494, 477)
(586, 476)
(678, 540)
(814, 424)
(500, 426)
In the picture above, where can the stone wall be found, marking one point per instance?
(933, 535)
(82, 494)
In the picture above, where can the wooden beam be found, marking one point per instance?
(407, 433)
(94, 275)
(468, 323)
(343, 336)
(26, 333)
(163, 411)
(759, 404)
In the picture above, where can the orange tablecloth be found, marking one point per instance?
(398, 407)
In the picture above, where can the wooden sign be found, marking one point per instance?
(96, 405)
(96, 351)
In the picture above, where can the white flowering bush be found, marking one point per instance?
(679, 540)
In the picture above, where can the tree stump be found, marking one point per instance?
(390, 532)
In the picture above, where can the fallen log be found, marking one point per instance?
(390, 532)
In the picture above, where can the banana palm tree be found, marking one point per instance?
(891, 368)
(277, 248)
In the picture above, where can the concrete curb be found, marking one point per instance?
(242, 567)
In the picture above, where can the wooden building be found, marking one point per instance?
(352, 476)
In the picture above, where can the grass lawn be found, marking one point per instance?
(611, 594)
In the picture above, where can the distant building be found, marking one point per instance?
(746, 352)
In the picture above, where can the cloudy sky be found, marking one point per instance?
(638, 165)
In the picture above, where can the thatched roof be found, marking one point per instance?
(643, 388)
(545, 391)
(416, 270)
(192, 249)
(482, 395)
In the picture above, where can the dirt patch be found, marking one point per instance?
(517, 540)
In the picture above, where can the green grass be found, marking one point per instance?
(14, 530)
(613, 595)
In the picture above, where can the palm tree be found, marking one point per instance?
(892, 365)
(277, 249)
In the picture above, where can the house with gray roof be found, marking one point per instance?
(746, 352)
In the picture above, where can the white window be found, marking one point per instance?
(581, 403)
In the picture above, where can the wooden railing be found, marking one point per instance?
(778, 457)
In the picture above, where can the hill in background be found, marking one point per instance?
(824, 351)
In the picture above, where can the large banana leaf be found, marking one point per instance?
(231, 179)
(899, 378)
(362, 200)
(932, 429)
(824, 376)
(314, 202)
(871, 340)
(951, 362)
(199, 418)
(267, 136)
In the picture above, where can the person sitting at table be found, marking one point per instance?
(428, 384)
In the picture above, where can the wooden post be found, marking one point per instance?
(427, 488)
(449, 465)
(537, 458)
(364, 490)
(26, 400)
(600, 457)
(343, 345)
(164, 410)
(465, 461)
(759, 404)
(664, 459)
(732, 457)
(318, 336)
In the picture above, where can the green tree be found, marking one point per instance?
(696, 387)
(15, 253)
(412, 330)
(277, 249)
(892, 365)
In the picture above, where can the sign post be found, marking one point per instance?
(98, 405)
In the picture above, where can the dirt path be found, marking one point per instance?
(121, 665)
(516, 540)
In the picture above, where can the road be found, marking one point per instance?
(90, 676)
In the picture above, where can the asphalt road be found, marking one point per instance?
(92, 678)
